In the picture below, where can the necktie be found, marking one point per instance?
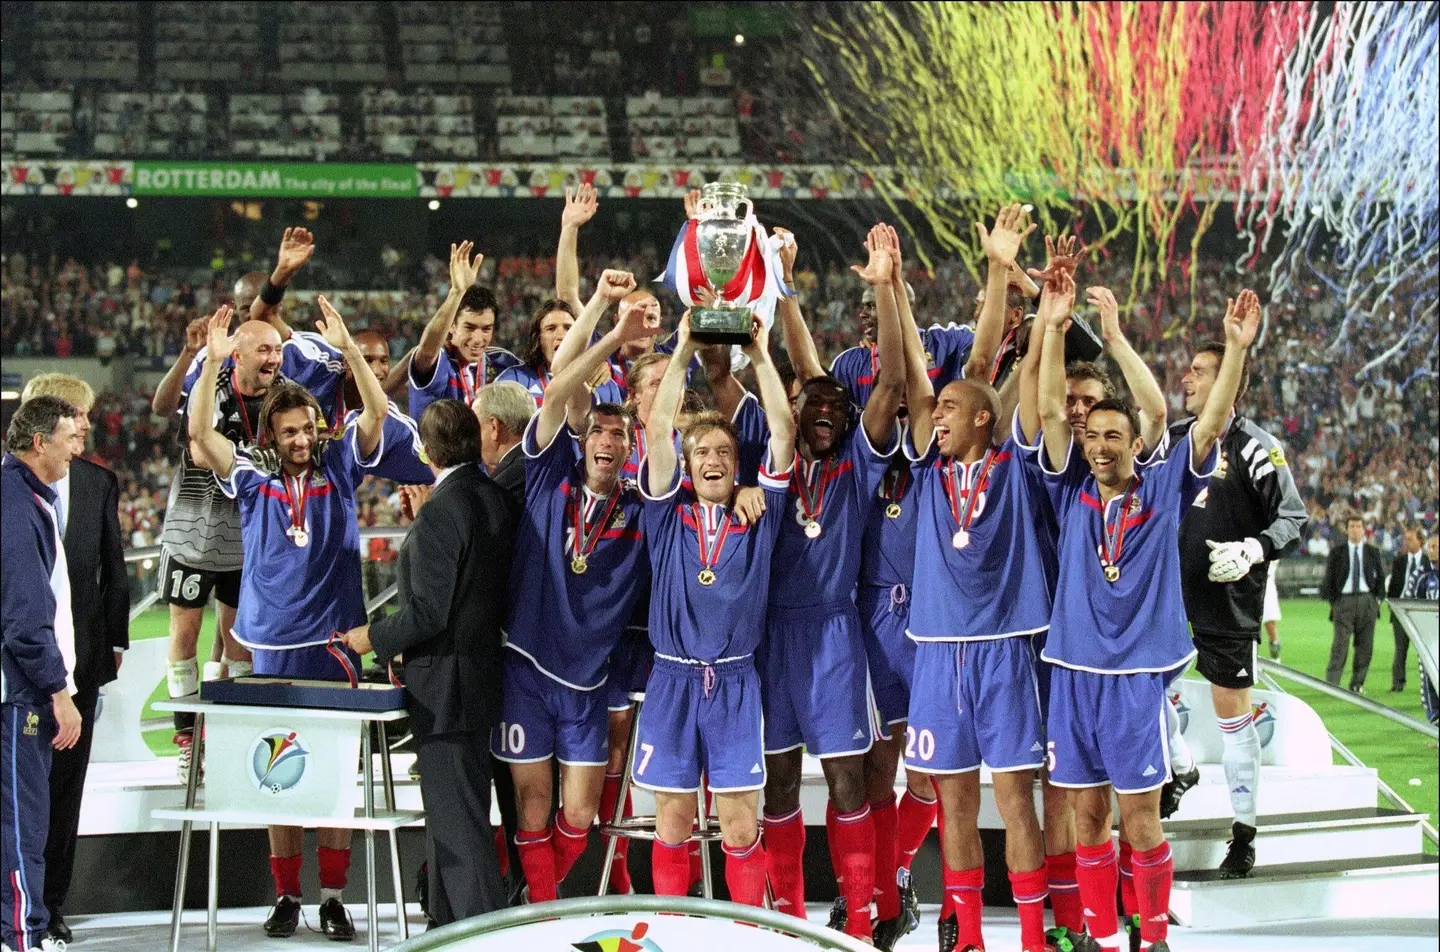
(1354, 569)
(60, 514)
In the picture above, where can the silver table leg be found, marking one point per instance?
(387, 780)
(703, 826)
(612, 843)
(212, 904)
(372, 922)
(182, 865)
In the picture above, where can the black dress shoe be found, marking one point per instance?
(335, 921)
(57, 929)
(284, 918)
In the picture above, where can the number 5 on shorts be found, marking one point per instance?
(1050, 757)
(645, 751)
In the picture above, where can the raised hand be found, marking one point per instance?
(759, 345)
(878, 269)
(615, 285)
(581, 204)
(1002, 243)
(1063, 253)
(692, 203)
(788, 250)
(219, 342)
(1242, 319)
(1057, 301)
(297, 245)
(411, 499)
(332, 326)
(463, 268)
(897, 269)
(636, 323)
(1104, 301)
(195, 333)
(682, 332)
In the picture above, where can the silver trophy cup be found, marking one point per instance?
(721, 234)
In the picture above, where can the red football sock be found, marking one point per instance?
(962, 894)
(887, 893)
(670, 868)
(619, 869)
(1128, 905)
(501, 853)
(915, 817)
(1029, 890)
(1065, 892)
(1096, 874)
(537, 859)
(784, 859)
(1154, 873)
(855, 840)
(832, 841)
(745, 873)
(286, 870)
(334, 867)
(568, 842)
(696, 873)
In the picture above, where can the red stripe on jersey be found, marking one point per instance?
(689, 520)
(632, 534)
(1131, 521)
(267, 490)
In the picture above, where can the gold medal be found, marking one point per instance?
(706, 577)
(812, 529)
(1112, 573)
(960, 540)
(892, 511)
(579, 564)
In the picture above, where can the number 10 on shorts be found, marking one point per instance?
(512, 738)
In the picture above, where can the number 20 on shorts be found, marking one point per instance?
(919, 744)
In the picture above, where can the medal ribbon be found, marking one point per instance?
(709, 555)
(893, 486)
(298, 506)
(1113, 541)
(585, 536)
(952, 489)
(640, 442)
(336, 647)
(467, 389)
(811, 505)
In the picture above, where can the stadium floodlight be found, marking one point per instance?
(132, 203)
(434, 204)
(739, 39)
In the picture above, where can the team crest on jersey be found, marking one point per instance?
(930, 360)
(1277, 456)
(1262, 715)
(618, 521)
(1134, 505)
(32, 724)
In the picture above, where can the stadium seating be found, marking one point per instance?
(551, 127)
(690, 127)
(213, 41)
(297, 125)
(79, 41)
(135, 124)
(332, 43)
(36, 122)
(419, 124)
(453, 42)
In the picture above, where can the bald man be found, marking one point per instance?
(200, 548)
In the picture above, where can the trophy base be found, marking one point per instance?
(721, 325)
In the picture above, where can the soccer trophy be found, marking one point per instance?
(722, 238)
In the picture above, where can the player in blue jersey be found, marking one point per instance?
(579, 566)
(1118, 630)
(454, 358)
(549, 327)
(984, 570)
(400, 459)
(301, 578)
(702, 714)
(812, 663)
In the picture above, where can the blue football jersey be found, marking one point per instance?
(946, 351)
(999, 583)
(537, 381)
(754, 434)
(305, 359)
(725, 619)
(292, 596)
(1135, 623)
(824, 570)
(447, 380)
(400, 462)
(567, 622)
(620, 367)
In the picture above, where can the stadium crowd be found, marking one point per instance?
(1372, 445)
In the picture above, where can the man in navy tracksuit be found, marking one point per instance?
(37, 656)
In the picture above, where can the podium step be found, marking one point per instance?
(1289, 839)
(1403, 887)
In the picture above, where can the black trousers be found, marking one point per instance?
(67, 787)
(464, 878)
(510, 820)
(1402, 652)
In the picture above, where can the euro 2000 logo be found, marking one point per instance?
(278, 761)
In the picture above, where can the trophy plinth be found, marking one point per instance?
(722, 234)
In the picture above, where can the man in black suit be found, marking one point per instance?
(504, 410)
(451, 604)
(1406, 564)
(1354, 583)
(89, 511)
